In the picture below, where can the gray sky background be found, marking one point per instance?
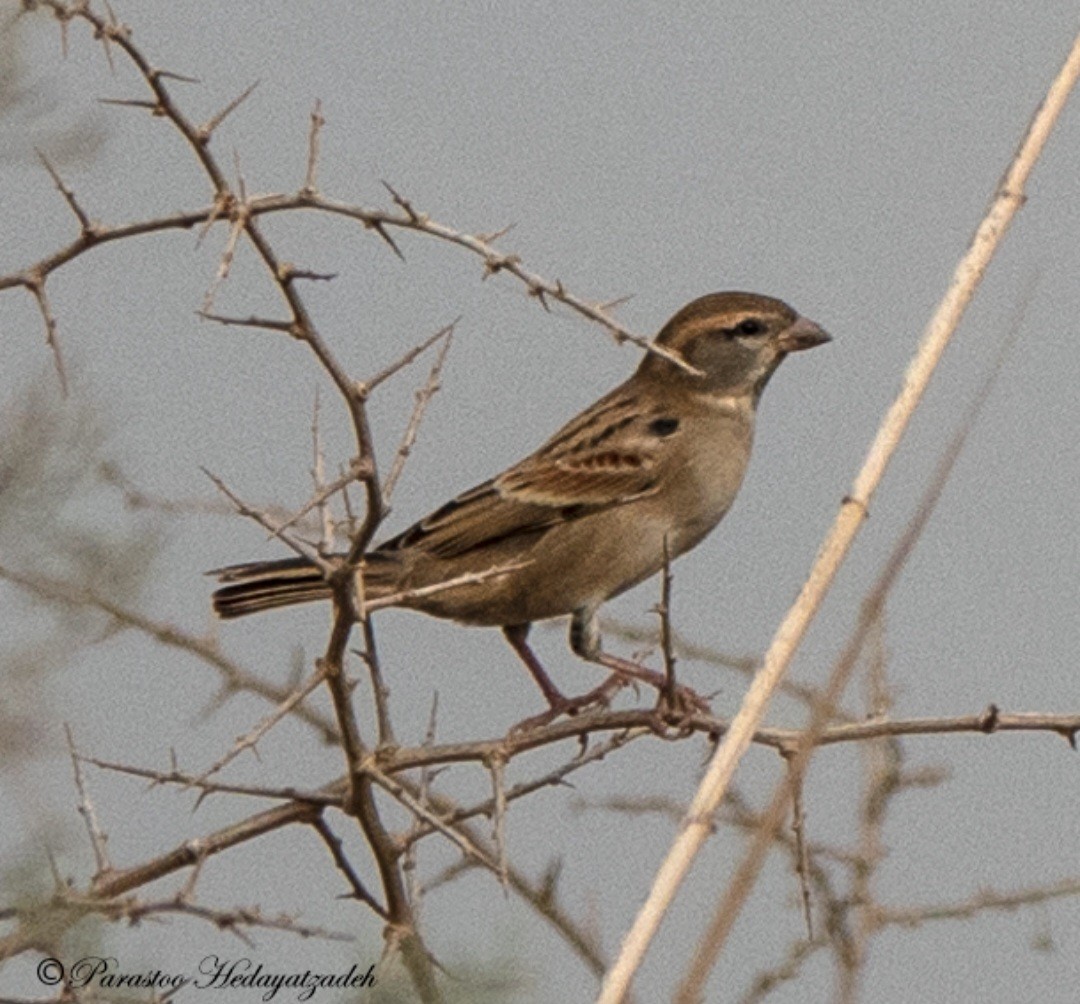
(838, 156)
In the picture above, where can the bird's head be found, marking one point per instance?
(735, 340)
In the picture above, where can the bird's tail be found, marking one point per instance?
(265, 585)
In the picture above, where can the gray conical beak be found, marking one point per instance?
(803, 334)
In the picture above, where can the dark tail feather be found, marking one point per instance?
(264, 585)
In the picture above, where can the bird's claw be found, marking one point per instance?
(599, 696)
(680, 702)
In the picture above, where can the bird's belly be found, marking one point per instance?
(585, 561)
(585, 564)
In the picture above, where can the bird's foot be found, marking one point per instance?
(674, 704)
(561, 705)
(679, 701)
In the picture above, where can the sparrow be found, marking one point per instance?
(636, 480)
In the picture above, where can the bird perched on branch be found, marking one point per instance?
(649, 469)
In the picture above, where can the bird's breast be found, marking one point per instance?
(706, 474)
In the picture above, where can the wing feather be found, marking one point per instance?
(608, 456)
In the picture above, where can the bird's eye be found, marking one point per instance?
(751, 326)
(663, 426)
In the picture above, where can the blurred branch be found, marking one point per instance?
(235, 678)
(981, 902)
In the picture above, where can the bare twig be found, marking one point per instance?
(228, 253)
(595, 753)
(317, 122)
(496, 261)
(802, 859)
(337, 852)
(318, 477)
(468, 579)
(36, 285)
(249, 322)
(268, 524)
(400, 792)
(423, 399)
(69, 196)
(175, 776)
(205, 131)
(410, 840)
(98, 838)
(357, 471)
(667, 645)
(251, 738)
(380, 692)
(496, 766)
(416, 351)
(235, 920)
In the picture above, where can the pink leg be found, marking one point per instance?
(559, 703)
